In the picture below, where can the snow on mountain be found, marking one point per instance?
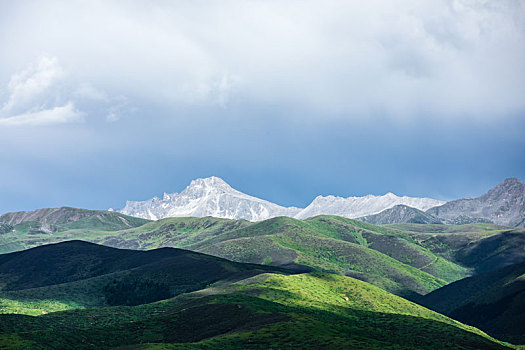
(355, 207)
(207, 197)
(214, 197)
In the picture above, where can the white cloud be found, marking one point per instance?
(31, 83)
(30, 93)
(40, 95)
(452, 59)
(87, 91)
(56, 115)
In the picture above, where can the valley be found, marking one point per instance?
(248, 306)
(402, 278)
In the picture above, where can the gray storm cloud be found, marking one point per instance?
(399, 59)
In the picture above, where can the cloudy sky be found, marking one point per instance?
(104, 101)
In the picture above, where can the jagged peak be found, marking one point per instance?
(509, 184)
(512, 181)
(210, 182)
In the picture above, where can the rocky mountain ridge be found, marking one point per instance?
(401, 214)
(214, 197)
(503, 205)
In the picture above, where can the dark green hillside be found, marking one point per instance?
(481, 247)
(379, 255)
(326, 243)
(494, 302)
(307, 311)
(173, 232)
(402, 258)
(5, 228)
(81, 274)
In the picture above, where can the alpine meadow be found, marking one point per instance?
(262, 174)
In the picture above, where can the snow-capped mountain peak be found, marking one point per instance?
(209, 183)
(354, 207)
(212, 196)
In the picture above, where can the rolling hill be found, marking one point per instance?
(84, 274)
(251, 307)
(479, 247)
(386, 257)
(326, 243)
(26, 229)
(405, 259)
(52, 220)
(493, 301)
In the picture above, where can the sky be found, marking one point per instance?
(107, 101)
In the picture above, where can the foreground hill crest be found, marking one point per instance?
(212, 196)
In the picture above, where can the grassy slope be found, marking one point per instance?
(66, 218)
(333, 244)
(493, 301)
(372, 253)
(74, 274)
(24, 230)
(316, 310)
(481, 247)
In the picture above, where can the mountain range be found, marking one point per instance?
(504, 205)
(212, 196)
(321, 282)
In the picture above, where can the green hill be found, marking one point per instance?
(21, 230)
(79, 274)
(51, 220)
(480, 247)
(382, 256)
(493, 301)
(325, 243)
(268, 314)
(245, 309)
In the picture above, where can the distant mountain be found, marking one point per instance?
(207, 197)
(51, 220)
(354, 207)
(503, 205)
(214, 197)
(493, 302)
(401, 214)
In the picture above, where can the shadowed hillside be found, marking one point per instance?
(326, 243)
(85, 274)
(480, 247)
(494, 302)
(244, 309)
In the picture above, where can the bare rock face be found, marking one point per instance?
(503, 205)
(401, 214)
